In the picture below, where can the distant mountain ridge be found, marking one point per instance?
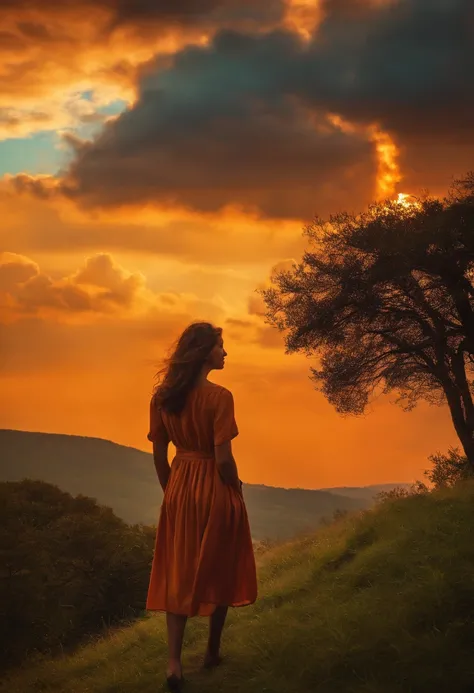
(124, 478)
(364, 491)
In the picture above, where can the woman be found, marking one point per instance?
(203, 561)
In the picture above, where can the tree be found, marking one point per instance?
(385, 301)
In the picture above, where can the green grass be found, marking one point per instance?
(381, 603)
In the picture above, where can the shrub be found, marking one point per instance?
(68, 567)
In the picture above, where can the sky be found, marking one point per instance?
(159, 159)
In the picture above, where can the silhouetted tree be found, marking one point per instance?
(385, 301)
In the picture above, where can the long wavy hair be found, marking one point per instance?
(182, 368)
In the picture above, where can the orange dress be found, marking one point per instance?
(203, 552)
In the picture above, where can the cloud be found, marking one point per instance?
(15, 269)
(254, 332)
(36, 17)
(115, 283)
(407, 65)
(53, 52)
(103, 289)
(41, 186)
(256, 305)
(252, 327)
(101, 292)
(221, 128)
(25, 290)
(39, 221)
(100, 286)
(247, 120)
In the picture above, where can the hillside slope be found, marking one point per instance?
(375, 604)
(125, 479)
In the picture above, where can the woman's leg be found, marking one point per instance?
(176, 625)
(216, 626)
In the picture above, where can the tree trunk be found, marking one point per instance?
(459, 371)
(462, 425)
(460, 290)
(469, 452)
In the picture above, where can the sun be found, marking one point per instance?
(404, 200)
(409, 202)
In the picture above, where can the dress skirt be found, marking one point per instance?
(203, 551)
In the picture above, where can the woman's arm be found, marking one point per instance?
(226, 465)
(160, 458)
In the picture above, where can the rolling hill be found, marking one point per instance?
(124, 478)
(364, 492)
(379, 603)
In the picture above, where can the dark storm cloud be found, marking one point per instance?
(220, 127)
(258, 11)
(241, 121)
(141, 13)
(408, 65)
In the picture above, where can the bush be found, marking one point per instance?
(68, 567)
(448, 470)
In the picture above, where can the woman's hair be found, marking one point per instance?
(182, 369)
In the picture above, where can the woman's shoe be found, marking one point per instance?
(175, 683)
(212, 662)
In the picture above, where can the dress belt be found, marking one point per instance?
(194, 454)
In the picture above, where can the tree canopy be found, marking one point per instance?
(384, 301)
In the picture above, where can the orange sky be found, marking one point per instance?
(100, 271)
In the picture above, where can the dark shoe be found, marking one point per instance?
(175, 683)
(212, 662)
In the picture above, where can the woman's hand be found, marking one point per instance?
(226, 466)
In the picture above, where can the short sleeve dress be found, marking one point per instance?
(203, 552)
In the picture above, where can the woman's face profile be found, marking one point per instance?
(217, 356)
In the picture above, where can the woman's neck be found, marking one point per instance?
(203, 376)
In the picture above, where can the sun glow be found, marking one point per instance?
(408, 201)
(388, 170)
(303, 17)
(403, 199)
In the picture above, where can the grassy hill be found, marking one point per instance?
(380, 603)
(124, 479)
